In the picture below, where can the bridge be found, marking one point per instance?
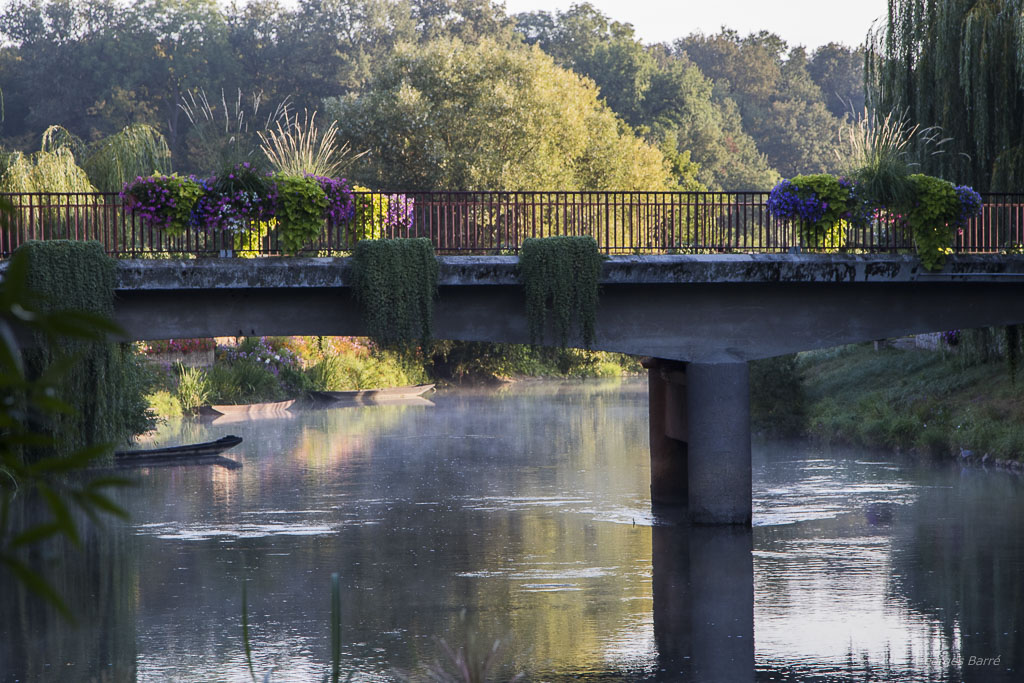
(699, 283)
(698, 319)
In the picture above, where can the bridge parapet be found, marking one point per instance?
(147, 274)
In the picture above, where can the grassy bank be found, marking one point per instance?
(260, 369)
(935, 403)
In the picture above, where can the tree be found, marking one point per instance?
(467, 20)
(957, 65)
(664, 97)
(838, 71)
(779, 103)
(448, 115)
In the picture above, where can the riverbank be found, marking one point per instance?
(945, 403)
(266, 369)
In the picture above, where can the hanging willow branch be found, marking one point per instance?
(960, 66)
(395, 282)
(561, 275)
(101, 381)
(138, 150)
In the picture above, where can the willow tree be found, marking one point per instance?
(137, 150)
(957, 64)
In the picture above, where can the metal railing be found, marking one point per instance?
(498, 222)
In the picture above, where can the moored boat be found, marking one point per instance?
(247, 408)
(196, 451)
(382, 395)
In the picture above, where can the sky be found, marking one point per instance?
(810, 23)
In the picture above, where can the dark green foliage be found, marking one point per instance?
(243, 381)
(561, 275)
(838, 71)
(395, 282)
(1012, 333)
(102, 382)
(488, 362)
(778, 404)
(978, 346)
(782, 108)
(301, 204)
(958, 65)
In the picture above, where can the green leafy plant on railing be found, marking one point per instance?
(395, 282)
(561, 276)
(932, 217)
(824, 206)
(301, 204)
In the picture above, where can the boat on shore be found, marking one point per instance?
(371, 396)
(247, 408)
(206, 453)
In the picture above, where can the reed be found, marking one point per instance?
(299, 148)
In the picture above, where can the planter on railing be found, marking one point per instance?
(498, 222)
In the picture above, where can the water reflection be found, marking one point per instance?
(98, 581)
(703, 602)
(524, 515)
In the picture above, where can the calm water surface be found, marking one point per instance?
(523, 515)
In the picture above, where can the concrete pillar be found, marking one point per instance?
(719, 469)
(666, 391)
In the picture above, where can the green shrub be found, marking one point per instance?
(163, 403)
(358, 371)
(193, 388)
(244, 381)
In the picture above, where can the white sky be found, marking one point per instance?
(799, 22)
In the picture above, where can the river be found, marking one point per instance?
(523, 515)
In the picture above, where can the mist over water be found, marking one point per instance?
(524, 515)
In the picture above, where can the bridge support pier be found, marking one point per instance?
(666, 392)
(700, 439)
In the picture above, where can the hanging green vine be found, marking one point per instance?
(561, 275)
(395, 282)
(102, 382)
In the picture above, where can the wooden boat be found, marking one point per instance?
(207, 453)
(247, 408)
(370, 396)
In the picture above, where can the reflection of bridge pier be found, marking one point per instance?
(703, 580)
(700, 439)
